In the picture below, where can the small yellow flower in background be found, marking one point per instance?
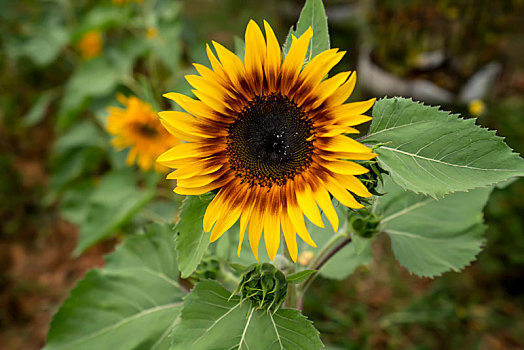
(137, 126)
(151, 33)
(90, 45)
(269, 134)
(305, 258)
(477, 108)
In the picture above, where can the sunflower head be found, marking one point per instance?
(136, 126)
(269, 134)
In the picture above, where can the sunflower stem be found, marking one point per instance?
(321, 260)
(292, 293)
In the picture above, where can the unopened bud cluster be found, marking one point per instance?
(372, 178)
(364, 222)
(264, 285)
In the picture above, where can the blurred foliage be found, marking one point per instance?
(446, 41)
(53, 147)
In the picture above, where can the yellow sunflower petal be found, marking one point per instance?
(201, 180)
(215, 64)
(209, 74)
(208, 85)
(353, 184)
(233, 65)
(273, 57)
(328, 86)
(308, 205)
(255, 52)
(295, 59)
(324, 202)
(354, 108)
(350, 155)
(345, 167)
(256, 225)
(194, 168)
(187, 150)
(341, 94)
(246, 216)
(187, 124)
(290, 236)
(342, 195)
(297, 219)
(353, 120)
(228, 215)
(213, 210)
(212, 101)
(204, 189)
(344, 144)
(272, 223)
(180, 134)
(195, 107)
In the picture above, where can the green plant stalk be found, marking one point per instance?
(292, 293)
(327, 252)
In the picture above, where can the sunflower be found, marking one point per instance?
(90, 44)
(268, 134)
(137, 126)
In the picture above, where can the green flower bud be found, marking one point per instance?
(364, 222)
(264, 285)
(372, 178)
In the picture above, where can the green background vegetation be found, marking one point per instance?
(53, 151)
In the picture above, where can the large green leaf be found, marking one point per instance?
(433, 152)
(191, 240)
(132, 303)
(111, 204)
(313, 15)
(431, 236)
(212, 320)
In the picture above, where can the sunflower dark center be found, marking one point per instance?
(145, 130)
(270, 141)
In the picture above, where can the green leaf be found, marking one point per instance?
(313, 15)
(212, 320)
(300, 276)
(74, 204)
(431, 236)
(132, 303)
(240, 47)
(82, 134)
(102, 17)
(191, 240)
(94, 78)
(433, 152)
(348, 259)
(167, 45)
(113, 203)
(46, 43)
(78, 151)
(37, 112)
